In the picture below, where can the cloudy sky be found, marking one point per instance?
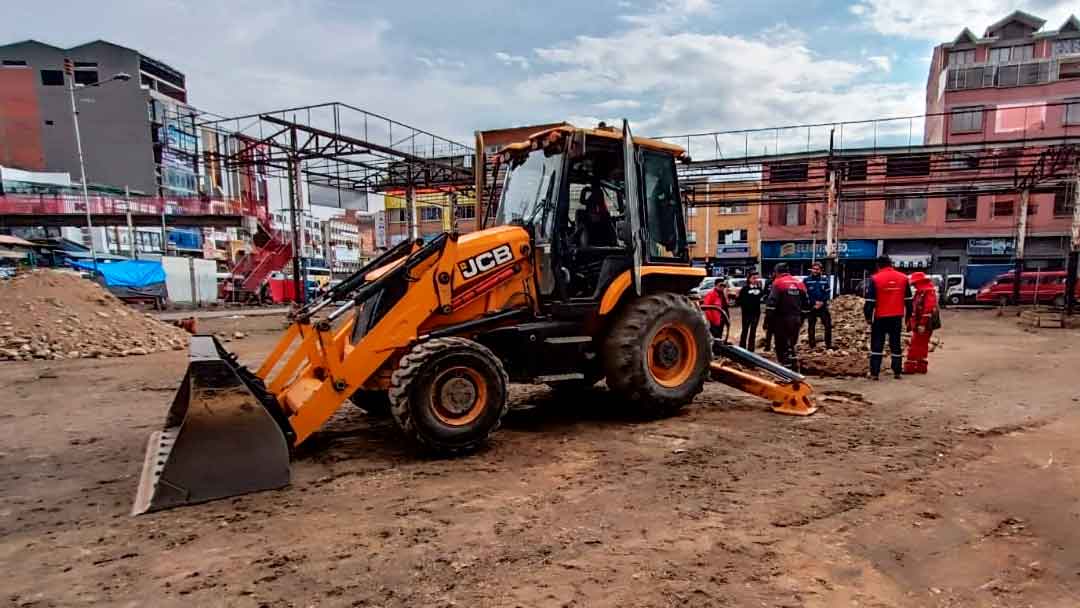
(671, 66)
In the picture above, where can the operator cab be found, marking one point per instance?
(567, 187)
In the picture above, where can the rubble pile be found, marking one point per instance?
(851, 339)
(50, 314)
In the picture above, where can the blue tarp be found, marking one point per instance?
(133, 274)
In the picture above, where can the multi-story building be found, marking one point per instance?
(135, 133)
(1016, 81)
(722, 227)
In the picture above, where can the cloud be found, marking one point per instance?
(715, 81)
(882, 62)
(617, 104)
(943, 20)
(511, 60)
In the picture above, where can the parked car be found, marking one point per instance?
(1041, 287)
(7, 272)
(704, 286)
(733, 286)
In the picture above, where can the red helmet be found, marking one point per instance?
(918, 278)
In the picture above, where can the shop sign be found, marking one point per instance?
(990, 247)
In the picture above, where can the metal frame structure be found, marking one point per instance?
(342, 147)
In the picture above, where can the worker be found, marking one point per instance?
(749, 302)
(719, 312)
(922, 323)
(783, 313)
(819, 292)
(887, 304)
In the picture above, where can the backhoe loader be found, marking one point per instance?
(582, 276)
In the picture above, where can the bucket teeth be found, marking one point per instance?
(219, 440)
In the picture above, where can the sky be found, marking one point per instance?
(670, 66)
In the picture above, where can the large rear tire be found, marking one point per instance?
(657, 353)
(448, 395)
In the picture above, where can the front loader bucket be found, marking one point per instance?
(218, 441)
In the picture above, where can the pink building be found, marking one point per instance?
(1018, 81)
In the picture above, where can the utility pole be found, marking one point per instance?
(452, 199)
(1074, 244)
(69, 73)
(410, 202)
(832, 212)
(1021, 236)
(130, 229)
(294, 220)
(710, 253)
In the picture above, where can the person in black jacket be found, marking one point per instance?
(749, 301)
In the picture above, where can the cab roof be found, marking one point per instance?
(540, 138)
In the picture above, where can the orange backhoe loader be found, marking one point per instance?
(583, 276)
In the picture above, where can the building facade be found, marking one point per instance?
(341, 238)
(1018, 80)
(722, 225)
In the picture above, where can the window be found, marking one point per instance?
(1072, 111)
(1063, 202)
(13, 63)
(732, 208)
(907, 165)
(396, 215)
(52, 78)
(788, 172)
(792, 214)
(852, 211)
(465, 212)
(1004, 208)
(855, 170)
(965, 120)
(961, 57)
(961, 208)
(1069, 69)
(905, 211)
(86, 64)
(1007, 54)
(691, 237)
(969, 78)
(430, 214)
(86, 77)
(1067, 47)
(691, 211)
(732, 237)
(664, 219)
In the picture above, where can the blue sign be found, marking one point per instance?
(733, 251)
(855, 249)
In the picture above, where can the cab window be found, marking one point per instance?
(663, 215)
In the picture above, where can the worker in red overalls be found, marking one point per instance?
(887, 304)
(921, 324)
(718, 313)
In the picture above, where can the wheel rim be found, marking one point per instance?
(671, 355)
(458, 395)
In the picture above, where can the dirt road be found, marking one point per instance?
(960, 488)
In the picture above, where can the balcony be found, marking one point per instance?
(1004, 75)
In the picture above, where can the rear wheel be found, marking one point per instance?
(1003, 301)
(657, 352)
(449, 394)
(1059, 301)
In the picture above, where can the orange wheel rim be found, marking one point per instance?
(671, 355)
(458, 395)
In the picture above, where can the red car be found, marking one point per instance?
(1042, 287)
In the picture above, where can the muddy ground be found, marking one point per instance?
(960, 488)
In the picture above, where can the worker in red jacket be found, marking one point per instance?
(887, 304)
(784, 309)
(719, 317)
(921, 324)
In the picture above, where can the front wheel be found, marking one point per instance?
(1059, 301)
(954, 300)
(449, 394)
(657, 353)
